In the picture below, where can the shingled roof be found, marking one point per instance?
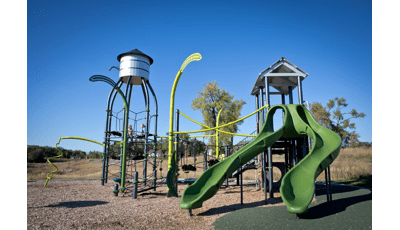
(135, 52)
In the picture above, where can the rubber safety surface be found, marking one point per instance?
(351, 208)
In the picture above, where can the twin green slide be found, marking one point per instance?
(297, 187)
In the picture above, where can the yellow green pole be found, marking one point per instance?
(217, 135)
(61, 153)
(171, 161)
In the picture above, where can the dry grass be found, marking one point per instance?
(352, 163)
(67, 169)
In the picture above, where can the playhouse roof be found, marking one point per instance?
(281, 75)
(135, 52)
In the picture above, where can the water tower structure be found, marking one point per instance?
(123, 134)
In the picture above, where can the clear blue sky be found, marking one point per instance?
(69, 41)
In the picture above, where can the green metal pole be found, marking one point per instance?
(113, 84)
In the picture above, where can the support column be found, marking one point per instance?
(241, 185)
(135, 184)
(294, 152)
(258, 131)
(300, 90)
(283, 111)
(263, 154)
(290, 95)
(270, 171)
(205, 159)
(264, 177)
(107, 136)
(226, 155)
(270, 174)
(146, 134)
(176, 148)
(327, 185)
(155, 137)
(126, 118)
(257, 114)
(109, 129)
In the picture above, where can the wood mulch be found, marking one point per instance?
(85, 204)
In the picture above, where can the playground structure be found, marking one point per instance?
(122, 134)
(134, 70)
(308, 148)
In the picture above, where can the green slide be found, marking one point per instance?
(297, 187)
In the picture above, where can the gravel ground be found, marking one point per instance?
(85, 204)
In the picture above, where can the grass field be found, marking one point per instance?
(353, 166)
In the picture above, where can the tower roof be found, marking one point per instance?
(281, 75)
(135, 52)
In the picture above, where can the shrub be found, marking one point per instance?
(36, 156)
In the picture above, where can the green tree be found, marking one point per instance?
(210, 101)
(333, 118)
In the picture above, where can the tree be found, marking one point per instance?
(210, 102)
(36, 156)
(334, 119)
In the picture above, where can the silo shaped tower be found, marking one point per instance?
(136, 65)
(134, 71)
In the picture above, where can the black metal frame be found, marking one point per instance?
(146, 87)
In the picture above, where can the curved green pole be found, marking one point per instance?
(95, 78)
(172, 160)
(217, 135)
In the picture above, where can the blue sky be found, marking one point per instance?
(69, 41)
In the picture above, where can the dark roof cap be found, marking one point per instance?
(136, 52)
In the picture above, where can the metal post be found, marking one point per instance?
(258, 131)
(126, 117)
(300, 90)
(267, 98)
(115, 190)
(154, 179)
(327, 186)
(329, 178)
(283, 111)
(109, 129)
(304, 146)
(264, 177)
(135, 184)
(262, 113)
(286, 158)
(257, 114)
(290, 95)
(286, 149)
(270, 173)
(146, 134)
(241, 185)
(107, 136)
(155, 133)
(177, 147)
(294, 157)
(205, 159)
(263, 154)
(226, 155)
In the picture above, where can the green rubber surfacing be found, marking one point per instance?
(297, 187)
(351, 208)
